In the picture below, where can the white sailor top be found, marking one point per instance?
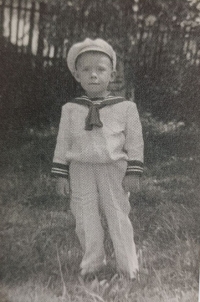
(99, 131)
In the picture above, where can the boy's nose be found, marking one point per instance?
(93, 74)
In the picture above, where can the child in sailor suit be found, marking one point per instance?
(99, 158)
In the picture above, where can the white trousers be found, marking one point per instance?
(100, 185)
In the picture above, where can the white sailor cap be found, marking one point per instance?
(98, 45)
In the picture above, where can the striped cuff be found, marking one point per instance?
(134, 167)
(60, 170)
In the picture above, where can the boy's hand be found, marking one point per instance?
(131, 183)
(62, 186)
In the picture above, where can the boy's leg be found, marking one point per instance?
(85, 208)
(116, 207)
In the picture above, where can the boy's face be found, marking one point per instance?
(94, 72)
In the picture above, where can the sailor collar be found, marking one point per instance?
(94, 104)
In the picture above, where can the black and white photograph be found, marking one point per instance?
(100, 150)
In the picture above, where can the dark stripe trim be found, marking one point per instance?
(135, 167)
(60, 166)
(59, 175)
(135, 163)
(60, 170)
(85, 101)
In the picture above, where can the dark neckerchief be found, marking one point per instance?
(93, 117)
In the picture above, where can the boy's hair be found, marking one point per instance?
(98, 45)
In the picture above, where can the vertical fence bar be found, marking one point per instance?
(2, 6)
(187, 41)
(55, 51)
(160, 46)
(18, 20)
(10, 20)
(197, 49)
(40, 47)
(146, 50)
(156, 41)
(139, 42)
(181, 48)
(48, 51)
(24, 22)
(30, 40)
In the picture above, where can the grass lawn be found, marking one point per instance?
(39, 251)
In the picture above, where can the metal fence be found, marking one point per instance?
(19, 24)
(159, 61)
(24, 24)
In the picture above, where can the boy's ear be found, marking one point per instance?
(76, 75)
(113, 76)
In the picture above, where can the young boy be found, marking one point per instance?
(99, 157)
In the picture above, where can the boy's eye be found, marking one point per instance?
(101, 69)
(85, 69)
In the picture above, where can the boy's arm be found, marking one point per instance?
(134, 146)
(60, 167)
